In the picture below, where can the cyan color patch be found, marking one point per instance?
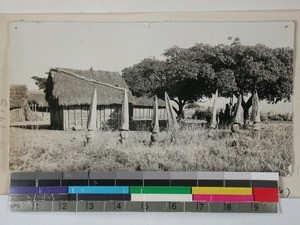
(98, 190)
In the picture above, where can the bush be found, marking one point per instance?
(264, 116)
(201, 114)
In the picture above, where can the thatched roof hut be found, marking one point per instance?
(69, 93)
(144, 101)
(38, 98)
(18, 95)
(71, 87)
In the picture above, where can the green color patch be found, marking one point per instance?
(159, 190)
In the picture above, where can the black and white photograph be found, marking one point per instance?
(159, 96)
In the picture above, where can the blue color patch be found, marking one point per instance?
(98, 190)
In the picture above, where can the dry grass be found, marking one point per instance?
(187, 149)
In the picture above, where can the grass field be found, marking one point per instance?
(190, 148)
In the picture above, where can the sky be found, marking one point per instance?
(35, 47)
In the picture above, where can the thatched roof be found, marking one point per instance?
(144, 101)
(18, 95)
(71, 87)
(38, 97)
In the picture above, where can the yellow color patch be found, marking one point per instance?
(221, 191)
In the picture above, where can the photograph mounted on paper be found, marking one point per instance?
(188, 96)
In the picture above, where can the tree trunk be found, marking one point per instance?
(246, 114)
(246, 106)
(179, 111)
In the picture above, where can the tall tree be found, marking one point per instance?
(176, 75)
(267, 71)
(190, 74)
(181, 73)
(40, 82)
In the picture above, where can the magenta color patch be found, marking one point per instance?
(223, 198)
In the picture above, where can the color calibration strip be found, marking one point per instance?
(147, 191)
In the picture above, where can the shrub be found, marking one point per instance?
(276, 116)
(205, 114)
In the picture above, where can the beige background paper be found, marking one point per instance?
(290, 182)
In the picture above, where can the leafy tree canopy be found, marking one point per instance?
(40, 82)
(188, 74)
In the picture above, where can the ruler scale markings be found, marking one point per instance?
(131, 206)
(145, 191)
(114, 206)
(42, 206)
(196, 207)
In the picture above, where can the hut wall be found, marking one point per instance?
(145, 113)
(17, 115)
(77, 116)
